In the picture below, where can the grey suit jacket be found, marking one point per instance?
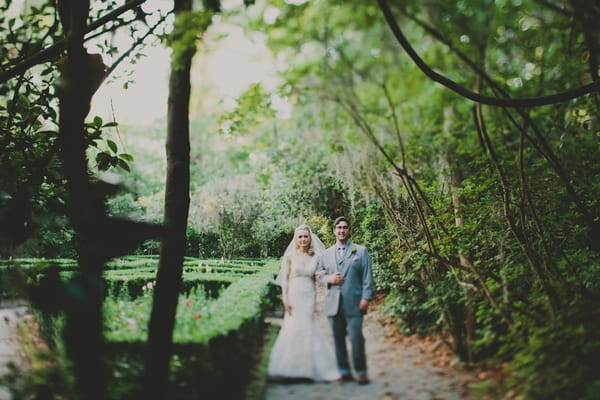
(357, 271)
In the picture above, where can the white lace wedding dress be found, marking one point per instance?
(301, 349)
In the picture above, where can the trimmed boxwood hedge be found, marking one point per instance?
(214, 360)
(127, 275)
(131, 285)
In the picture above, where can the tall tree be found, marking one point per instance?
(81, 76)
(188, 27)
(99, 237)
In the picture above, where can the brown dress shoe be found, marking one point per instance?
(362, 380)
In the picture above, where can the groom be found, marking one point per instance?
(345, 268)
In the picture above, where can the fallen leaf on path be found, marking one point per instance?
(485, 374)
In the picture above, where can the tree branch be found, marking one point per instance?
(542, 146)
(135, 45)
(556, 8)
(55, 49)
(476, 97)
(517, 233)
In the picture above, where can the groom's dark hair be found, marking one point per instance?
(340, 219)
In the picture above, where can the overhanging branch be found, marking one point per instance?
(55, 49)
(477, 97)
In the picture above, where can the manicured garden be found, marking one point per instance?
(461, 139)
(219, 321)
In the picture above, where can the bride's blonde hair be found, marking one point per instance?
(311, 247)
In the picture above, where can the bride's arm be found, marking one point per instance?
(284, 286)
(321, 273)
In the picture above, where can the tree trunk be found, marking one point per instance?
(83, 331)
(455, 184)
(81, 75)
(176, 209)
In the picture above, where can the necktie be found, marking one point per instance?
(340, 255)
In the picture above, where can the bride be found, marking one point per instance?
(301, 351)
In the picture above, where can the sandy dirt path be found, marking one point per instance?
(10, 349)
(398, 369)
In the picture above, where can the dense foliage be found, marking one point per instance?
(32, 181)
(482, 220)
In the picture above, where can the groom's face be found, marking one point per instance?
(342, 231)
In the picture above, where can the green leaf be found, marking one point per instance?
(112, 145)
(123, 165)
(97, 122)
(104, 161)
(126, 157)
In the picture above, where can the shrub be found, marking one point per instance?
(213, 353)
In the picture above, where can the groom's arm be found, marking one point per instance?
(326, 279)
(367, 281)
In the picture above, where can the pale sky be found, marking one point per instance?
(227, 72)
(238, 62)
(144, 100)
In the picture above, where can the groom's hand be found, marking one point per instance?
(363, 306)
(288, 309)
(336, 279)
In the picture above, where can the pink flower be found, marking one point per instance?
(188, 302)
(197, 316)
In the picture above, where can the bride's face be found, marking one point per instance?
(303, 239)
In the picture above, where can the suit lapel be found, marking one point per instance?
(331, 259)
